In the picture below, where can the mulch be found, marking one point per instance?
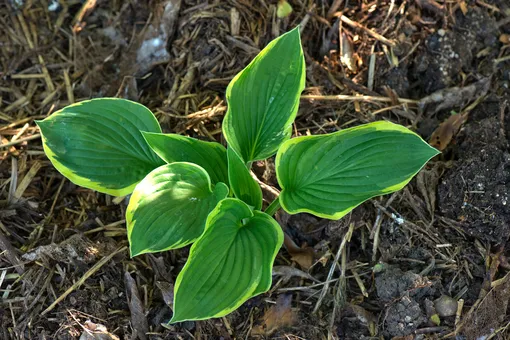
(65, 272)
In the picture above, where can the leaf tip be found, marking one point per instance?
(41, 124)
(179, 317)
(294, 35)
(432, 151)
(296, 30)
(175, 319)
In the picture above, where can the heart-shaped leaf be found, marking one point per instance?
(171, 148)
(242, 184)
(230, 263)
(169, 208)
(329, 175)
(263, 99)
(97, 144)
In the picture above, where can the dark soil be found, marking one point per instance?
(437, 246)
(476, 190)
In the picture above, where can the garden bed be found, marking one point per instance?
(427, 262)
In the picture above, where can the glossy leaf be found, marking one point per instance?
(263, 99)
(175, 148)
(329, 175)
(230, 263)
(241, 182)
(169, 208)
(97, 144)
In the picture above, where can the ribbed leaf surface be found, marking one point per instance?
(229, 264)
(174, 148)
(97, 144)
(263, 99)
(242, 184)
(169, 208)
(329, 175)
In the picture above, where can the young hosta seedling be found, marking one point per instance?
(188, 191)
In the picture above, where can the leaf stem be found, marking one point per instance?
(273, 207)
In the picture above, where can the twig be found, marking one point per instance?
(502, 118)
(50, 214)
(14, 179)
(69, 87)
(360, 283)
(88, 274)
(413, 228)
(343, 97)
(340, 294)
(10, 252)
(21, 140)
(376, 229)
(26, 181)
(289, 289)
(500, 60)
(334, 7)
(374, 35)
(20, 133)
(390, 9)
(306, 18)
(273, 191)
(202, 114)
(371, 70)
(347, 237)
(429, 330)
(458, 314)
(21, 121)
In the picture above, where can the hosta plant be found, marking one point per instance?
(186, 191)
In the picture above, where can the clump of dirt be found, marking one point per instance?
(443, 58)
(448, 53)
(476, 191)
(403, 317)
(356, 323)
(76, 248)
(393, 283)
(403, 291)
(397, 80)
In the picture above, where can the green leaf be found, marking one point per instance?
(329, 175)
(229, 264)
(97, 144)
(242, 184)
(169, 208)
(283, 9)
(263, 99)
(175, 148)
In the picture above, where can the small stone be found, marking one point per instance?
(73, 300)
(441, 32)
(446, 306)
